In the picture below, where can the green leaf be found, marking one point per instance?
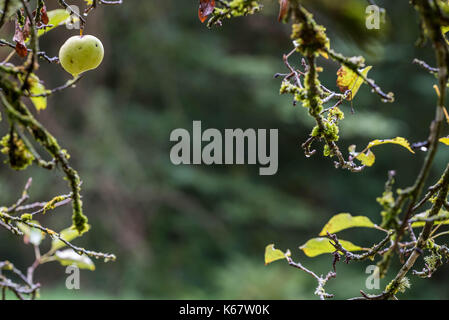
(344, 221)
(316, 246)
(70, 257)
(349, 80)
(31, 235)
(56, 18)
(272, 254)
(67, 234)
(367, 159)
(445, 141)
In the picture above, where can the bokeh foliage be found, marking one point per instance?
(197, 231)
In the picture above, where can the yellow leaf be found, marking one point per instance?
(398, 140)
(437, 90)
(349, 80)
(446, 114)
(37, 88)
(316, 246)
(367, 158)
(272, 254)
(68, 235)
(70, 257)
(344, 221)
(445, 141)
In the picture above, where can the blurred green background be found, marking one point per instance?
(199, 232)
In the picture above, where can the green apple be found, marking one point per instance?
(81, 53)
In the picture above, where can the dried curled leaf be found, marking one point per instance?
(44, 15)
(283, 10)
(19, 37)
(349, 80)
(205, 9)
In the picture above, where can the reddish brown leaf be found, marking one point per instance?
(21, 50)
(341, 74)
(205, 9)
(44, 16)
(284, 4)
(27, 29)
(19, 38)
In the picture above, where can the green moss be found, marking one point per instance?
(50, 205)
(26, 217)
(398, 286)
(80, 223)
(309, 37)
(327, 152)
(389, 212)
(336, 114)
(316, 132)
(19, 155)
(288, 88)
(233, 9)
(240, 8)
(331, 132)
(433, 261)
